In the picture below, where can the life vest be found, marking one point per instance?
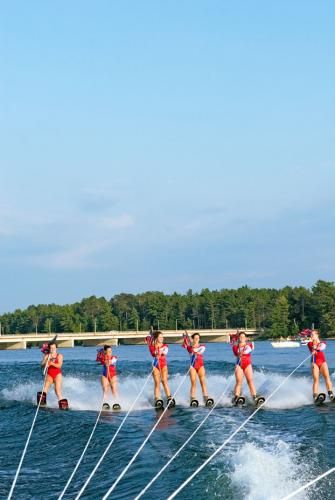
(100, 356)
(45, 348)
(233, 338)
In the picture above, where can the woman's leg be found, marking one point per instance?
(156, 374)
(105, 386)
(164, 375)
(316, 377)
(48, 384)
(250, 380)
(113, 386)
(193, 378)
(325, 373)
(202, 380)
(58, 386)
(239, 379)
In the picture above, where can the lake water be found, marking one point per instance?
(287, 443)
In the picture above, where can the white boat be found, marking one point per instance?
(285, 343)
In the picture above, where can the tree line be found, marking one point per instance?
(276, 312)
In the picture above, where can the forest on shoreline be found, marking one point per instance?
(277, 312)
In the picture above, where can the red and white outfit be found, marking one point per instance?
(318, 356)
(53, 371)
(158, 353)
(109, 364)
(196, 353)
(243, 354)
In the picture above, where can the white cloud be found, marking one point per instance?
(78, 257)
(17, 221)
(97, 200)
(119, 222)
(91, 235)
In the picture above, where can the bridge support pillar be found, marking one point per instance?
(132, 341)
(65, 343)
(219, 338)
(14, 345)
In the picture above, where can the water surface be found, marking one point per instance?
(285, 445)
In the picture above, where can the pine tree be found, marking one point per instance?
(280, 318)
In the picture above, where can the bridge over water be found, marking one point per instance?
(24, 341)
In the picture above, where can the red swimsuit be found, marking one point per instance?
(52, 370)
(243, 354)
(158, 353)
(318, 356)
(196, 353)
(107, 371)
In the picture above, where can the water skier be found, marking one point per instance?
(52, 361)
(242, 350)
(159, 352)
(197, 368)
(319, 365)
(108, 378)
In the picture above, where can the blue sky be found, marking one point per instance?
(164, 146)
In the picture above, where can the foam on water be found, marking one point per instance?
(267, 474)
(294, 393)
(85, 394)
